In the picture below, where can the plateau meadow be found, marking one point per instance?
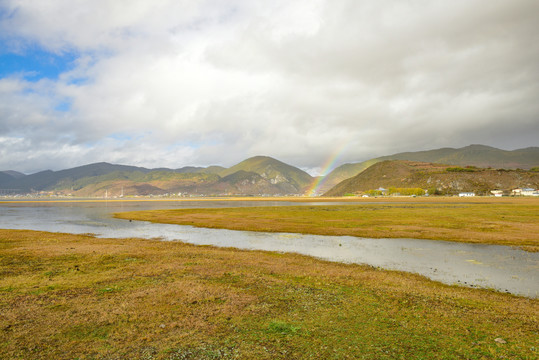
(485, 220)
(68, 296)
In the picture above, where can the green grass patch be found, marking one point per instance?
(90, 331)
(282, 328)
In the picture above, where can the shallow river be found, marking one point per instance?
(488, 266)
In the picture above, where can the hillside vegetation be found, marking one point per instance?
(473, 155)
(437, 178)
(277, 172)
(259, 175)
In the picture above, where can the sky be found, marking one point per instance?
(313, 83)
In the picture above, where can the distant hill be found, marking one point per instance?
(475, 155)
(197, 169)
(5, 178)
(14, 174)
(171, 182)
(289, 178)
(439, 178)
(255, 176)
(48, 179)
(188, 169)
(251, 183)
(259, 175)
(137, 183)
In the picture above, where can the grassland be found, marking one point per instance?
(502, 221)
(78, 297)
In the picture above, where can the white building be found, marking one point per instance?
(529, 192)
(525, 192)
(466, 194)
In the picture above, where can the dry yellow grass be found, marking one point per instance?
(71, 296)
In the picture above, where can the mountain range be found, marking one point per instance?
(259, 175)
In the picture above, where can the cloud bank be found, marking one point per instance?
(175, 83)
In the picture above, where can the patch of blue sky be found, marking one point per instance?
(63, 106)
(78, 81)
(5, 14)
(28, 90)
(34, 63)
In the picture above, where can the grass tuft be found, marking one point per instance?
(282, 328)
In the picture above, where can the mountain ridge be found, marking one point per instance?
(258, 175)
(277, 172)
(262, 176)
(438, 178)
(474, 154)
(13, 173)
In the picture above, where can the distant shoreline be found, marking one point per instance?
(351, 199)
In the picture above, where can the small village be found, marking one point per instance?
(420, 192)
(500, 193)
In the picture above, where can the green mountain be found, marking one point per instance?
(49, 179)
(198, 169)
(5, 177)
(437, 178)
(259, 175)
(76, 178)
(242, 176)
(128, 183)
(122, 183)
(251, 183)
(289, 178)
(474, 155)
(255, 176)
(15, 174)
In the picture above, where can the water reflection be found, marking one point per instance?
(489, 266)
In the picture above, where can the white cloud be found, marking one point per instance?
(173, 83)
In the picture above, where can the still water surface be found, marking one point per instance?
(489, 266)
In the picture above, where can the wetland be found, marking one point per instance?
(68, 294)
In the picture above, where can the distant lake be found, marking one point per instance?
(488, 266)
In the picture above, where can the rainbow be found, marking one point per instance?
(328, 164)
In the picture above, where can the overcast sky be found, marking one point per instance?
(173, 83)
